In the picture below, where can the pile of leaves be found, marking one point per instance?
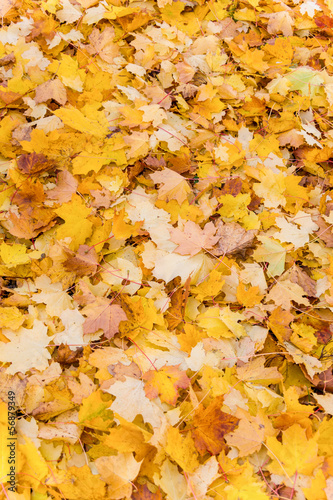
(166, 246)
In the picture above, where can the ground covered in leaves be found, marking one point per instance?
(166, 213)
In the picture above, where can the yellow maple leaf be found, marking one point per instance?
(79, 482)
(234, 206)
(14, 255)
(96, 124)
(248, 297)
(295, 453)
(182, 450)
(221, 322)
(209, 287)
(76, 225)
(11, 317)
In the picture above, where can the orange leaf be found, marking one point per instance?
(165, 383)
(210, 426)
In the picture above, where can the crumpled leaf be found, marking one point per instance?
(233, 238)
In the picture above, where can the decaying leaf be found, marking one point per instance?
(232, 238)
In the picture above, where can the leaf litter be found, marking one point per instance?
(166, 249)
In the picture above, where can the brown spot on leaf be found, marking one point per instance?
(210, 425)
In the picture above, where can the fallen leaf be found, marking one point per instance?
(52, 89)
(173, 185)
(191, 238)
(165, 383)
(232, 238)
(210, 425)
(103, 315)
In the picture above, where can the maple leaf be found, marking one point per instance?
(294, 453)
(53, 89)
(182, 450)
(76, 226)
(176, 310)
(103, 315)
(79, 482)
(173, 185)
(191, 238)
(131, 401)
(34, 163)
(249, 435)
(102, 44)
(285, 292)
(26, 349)
(118, 472)
(83, 262)
(232, 237)
(165, 383)
(31, 222)
(279, 321)
(142, 492)
(248, 297)
(210, 425)
(171, 481)
(65, 188)
(177, 160)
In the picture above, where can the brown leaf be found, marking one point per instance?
(324, 232)
(30, 193)
(103, 45)
(102, 197)
(180, 164)
(83, 262)
(33, 163)
(229, 28)
(296, 275)
(134, 170)
(66, 356)
(7, 59)
(324, 380)
(323, 335)
(52, 89)
(154, 162)
(232, 238)
(210, 425)
(187, 90)
(254, 203)
(9, 97)
(84, 295)
(324, 22)
(176, 311)
(232, 186)
(101, 315)
(142, 492)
